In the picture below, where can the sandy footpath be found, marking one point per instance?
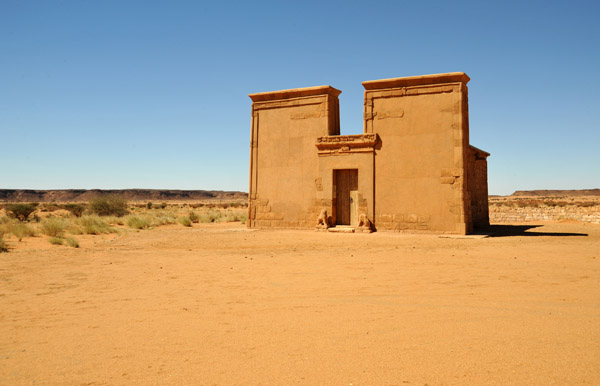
(220, 305)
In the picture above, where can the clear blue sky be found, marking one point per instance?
(149, 94)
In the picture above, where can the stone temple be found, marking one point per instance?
(412, 168)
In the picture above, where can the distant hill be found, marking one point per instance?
(557, 193)
(81, 195)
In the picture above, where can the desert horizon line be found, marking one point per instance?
(596, 191)
(156, 189)
(243, 191)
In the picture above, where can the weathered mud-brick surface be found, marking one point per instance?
(411, 169)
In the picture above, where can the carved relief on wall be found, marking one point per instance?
(341, 144)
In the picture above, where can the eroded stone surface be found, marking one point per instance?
(411, 169)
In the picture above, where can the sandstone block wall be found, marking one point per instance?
(505, 214)
(411, 169)
(420, 168)
(478, 187)
(283, 164)
(347, 152)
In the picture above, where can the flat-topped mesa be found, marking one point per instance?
(412, 168)
(294, 93)
(450, 77)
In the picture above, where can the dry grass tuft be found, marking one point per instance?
(94, 225)
(193, 216)
(54, 227)
(3, 247)
(55, 241)
(138, 222)
(162, 218)
(185, 221)
(21, 230)
(72, 242)
(16, 228)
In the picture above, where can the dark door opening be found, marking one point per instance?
(345, 191)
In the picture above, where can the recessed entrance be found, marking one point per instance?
(345, 191)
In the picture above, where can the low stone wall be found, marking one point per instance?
(509, 214)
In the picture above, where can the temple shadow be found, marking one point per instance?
(520, 230)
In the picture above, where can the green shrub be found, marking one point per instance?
(163, 205)
(75, 209)
(109, 205)
(49, 207)
(185, 221)
(72, 242)
(3, 247)
(55, 240)
(54, 227)
(149, 205)
(20, 211)
(193, 216)
(137, 222)
(93, 225)
(21, 230)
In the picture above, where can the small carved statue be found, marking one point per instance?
(322, 221)
(364, 224)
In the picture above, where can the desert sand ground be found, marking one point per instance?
(218, 304)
